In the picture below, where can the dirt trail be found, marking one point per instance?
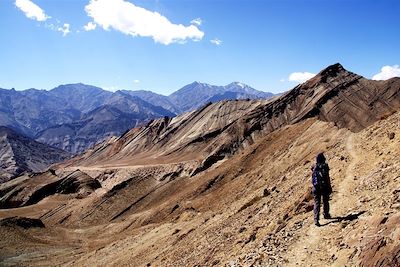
(344, 200)
(316, 246)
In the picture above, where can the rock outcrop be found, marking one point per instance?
(77, 182)
(38, 186)
(22, 222)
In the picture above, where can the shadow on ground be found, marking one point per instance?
(350, 217)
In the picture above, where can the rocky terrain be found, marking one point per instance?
(20, 154)
(225, 185)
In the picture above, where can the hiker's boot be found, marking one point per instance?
(317, 224)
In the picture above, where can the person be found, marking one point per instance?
(321, 187)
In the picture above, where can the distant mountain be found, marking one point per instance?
(32, 110)
(120, 113)
(196, 94)
(74, 116)
(80, 96)
(19, 154)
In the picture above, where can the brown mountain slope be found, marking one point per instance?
(252, 207)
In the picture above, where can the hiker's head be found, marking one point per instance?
(321, 158)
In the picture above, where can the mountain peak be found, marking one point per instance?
(199, 83)
(332, 70)
(328, 73)
(77, 87)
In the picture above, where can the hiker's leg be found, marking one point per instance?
(317, 204)
(325, 199)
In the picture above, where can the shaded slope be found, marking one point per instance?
(21, 154)
(38, 186)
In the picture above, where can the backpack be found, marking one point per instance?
(318, 176)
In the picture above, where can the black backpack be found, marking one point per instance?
(319, 176)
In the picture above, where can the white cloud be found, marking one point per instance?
(34, 12)
(31, 10)
(387, 72)
(216, 41)
(132, 20)
(110, 88)
(64, 29)
(282, 80)
(136, 81)
(300, 77)
(90, 26)
(197, 21)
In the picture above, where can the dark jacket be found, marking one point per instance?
(320, 178)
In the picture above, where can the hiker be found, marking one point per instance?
(321, 187)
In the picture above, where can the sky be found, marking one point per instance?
(162, 45)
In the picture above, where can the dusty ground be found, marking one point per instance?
(254, 209)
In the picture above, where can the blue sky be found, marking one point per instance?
(159, 45)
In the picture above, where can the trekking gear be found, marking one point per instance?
(320, 175)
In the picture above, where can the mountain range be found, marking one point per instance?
(227, 184)
(74, 117)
